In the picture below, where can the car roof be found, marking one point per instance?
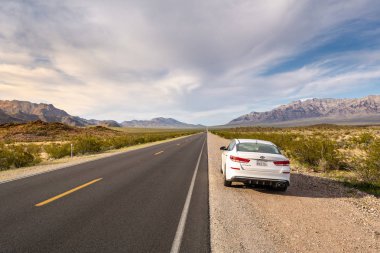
(254, 141)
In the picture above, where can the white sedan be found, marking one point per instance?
(255, 162)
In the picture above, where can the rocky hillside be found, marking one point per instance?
(158, 123)
(361, 110)
(23, 111)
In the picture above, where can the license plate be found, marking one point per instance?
(261, 163)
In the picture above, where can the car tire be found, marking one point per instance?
(226, 182)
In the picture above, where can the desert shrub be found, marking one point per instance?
(35, 150)
(368, 167)
(6, 158)
(57, 151)
(363, 139)
(316, 152)
(118, 142)
(22, 157)
(19, 156)
(88, 144)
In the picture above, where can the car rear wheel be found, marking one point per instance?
(226, 182)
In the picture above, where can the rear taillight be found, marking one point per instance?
(239, 159)
(233, 168)
(282, 163)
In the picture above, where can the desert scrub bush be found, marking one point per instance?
(318, 153)
(363, 139)
(118, 142)
(35, 150)
(25, 155)
(88, 144)
(19, 156)
(57, 151)
(6, 158)
(368, 168)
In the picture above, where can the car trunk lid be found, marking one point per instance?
(262, 162)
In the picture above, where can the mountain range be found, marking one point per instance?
(315, 111)
(364, 110)
(23, 111)
(158, 123)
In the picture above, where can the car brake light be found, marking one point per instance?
(233, 168)
(239, 159)
(282, 163)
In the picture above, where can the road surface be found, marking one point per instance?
(132, 202)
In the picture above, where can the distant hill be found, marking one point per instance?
(158, 123)
(23, 111)
(106, 123)
(315, 111)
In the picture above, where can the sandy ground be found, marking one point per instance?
(314, 215)
(14, 174)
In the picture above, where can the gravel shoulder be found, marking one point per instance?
(14, 174)
(315, 214)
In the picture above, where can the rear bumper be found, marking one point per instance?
(260, 181)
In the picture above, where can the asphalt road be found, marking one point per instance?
(132, 202)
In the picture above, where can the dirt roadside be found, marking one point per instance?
(314, 215)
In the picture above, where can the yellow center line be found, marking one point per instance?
(159, 153)
(68, 192)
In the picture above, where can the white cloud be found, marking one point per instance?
(198, 61)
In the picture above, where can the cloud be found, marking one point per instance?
(197, 61)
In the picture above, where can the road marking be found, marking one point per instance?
(159, 153)
(182, 222)
(68, 192)
(178, 144)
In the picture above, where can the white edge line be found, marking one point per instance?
(82, 162)
(182, 222)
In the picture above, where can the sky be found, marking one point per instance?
(196, 61)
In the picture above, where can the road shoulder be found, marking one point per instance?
(235, 226)
(314, 215)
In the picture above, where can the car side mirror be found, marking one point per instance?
(223, 148)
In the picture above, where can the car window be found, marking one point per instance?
(231, 146)
(258, 147)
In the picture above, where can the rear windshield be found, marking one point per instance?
(258, 147)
